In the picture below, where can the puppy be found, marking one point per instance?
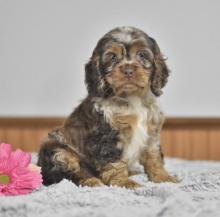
(118, 124)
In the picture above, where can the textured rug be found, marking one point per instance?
(198, 194)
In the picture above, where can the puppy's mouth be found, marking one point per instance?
(129, 88)
(132, 85)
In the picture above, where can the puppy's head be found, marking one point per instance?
(126, 61)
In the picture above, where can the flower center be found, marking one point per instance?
(4, 179)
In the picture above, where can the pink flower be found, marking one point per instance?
(17, 176)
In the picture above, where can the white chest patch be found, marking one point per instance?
(139, 133)
(138, 141)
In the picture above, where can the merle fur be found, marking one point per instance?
(86, 129)
(95, 69)
(101, 146)
(94, 137)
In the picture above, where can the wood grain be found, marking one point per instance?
(214, 144)
(200, 144)
(166, 141)
(189, 138)
(13, 136)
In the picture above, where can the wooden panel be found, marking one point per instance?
(189, 138)
(32, 137)
(176, 143)
(181, 143)
(31, 121)
(2, 135)
(190, 123)
(49, 122)
(13, 136)
(166, 142)
(29, 139)
(200, 144)
(214, 144)
(41, 134)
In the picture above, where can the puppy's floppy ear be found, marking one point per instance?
(93, 78)
(160, 72)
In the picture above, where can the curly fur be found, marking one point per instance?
(95, 71)
(119, 121)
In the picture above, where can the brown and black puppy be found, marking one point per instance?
(118, 124)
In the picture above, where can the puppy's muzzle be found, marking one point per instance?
(128, 71)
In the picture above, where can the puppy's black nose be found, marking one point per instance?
(128, 72)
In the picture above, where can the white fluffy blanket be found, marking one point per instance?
(198, 194)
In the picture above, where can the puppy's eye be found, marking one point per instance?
(141, 55)
(113, 58)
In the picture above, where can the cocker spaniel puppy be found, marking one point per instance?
(118, 124)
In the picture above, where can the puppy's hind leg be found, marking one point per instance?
(58, 161)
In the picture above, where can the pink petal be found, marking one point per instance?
(23, 185)
(11, 191)
(36, 179)
(23, 177)
(5, 151)
(21, 158)
(27, 179)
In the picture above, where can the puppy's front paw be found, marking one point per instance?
(163, 177)
(131, 184)
(92, 182)
(127, 183)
